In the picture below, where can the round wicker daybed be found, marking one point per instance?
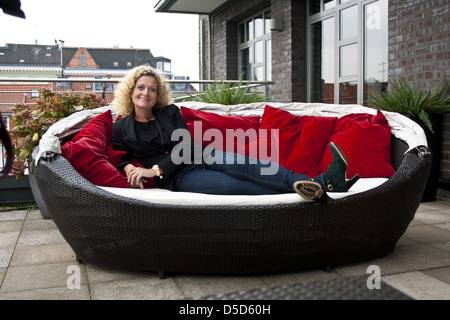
(116, 231)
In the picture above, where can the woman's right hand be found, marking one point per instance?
(137, 176)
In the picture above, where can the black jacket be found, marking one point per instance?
(124, 139)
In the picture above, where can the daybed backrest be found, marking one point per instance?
(365, 134)
(398, 149)
(402, 127)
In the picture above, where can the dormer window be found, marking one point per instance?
(82, 61)
(167, 66)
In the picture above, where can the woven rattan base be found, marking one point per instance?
(122, 233)
(351, 288)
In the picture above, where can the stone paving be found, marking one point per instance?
(37, 263)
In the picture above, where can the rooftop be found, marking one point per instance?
(48, 56)
(34, 259)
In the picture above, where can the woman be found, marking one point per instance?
(145, 132)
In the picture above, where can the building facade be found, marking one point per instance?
(55, 61)
(27, 68)
(331, 51)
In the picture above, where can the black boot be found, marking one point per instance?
(333, 180)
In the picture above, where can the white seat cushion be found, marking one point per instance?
(161, 196)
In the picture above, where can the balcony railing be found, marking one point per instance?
(25, 90)
(105, 87)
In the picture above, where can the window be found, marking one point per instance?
(82, 61)
(375, 48)
(322, 55)
(5, 119)
(98, 86)
(347, 56)
(255, 47)
(167, 66)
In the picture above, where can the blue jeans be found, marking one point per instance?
(235, 174)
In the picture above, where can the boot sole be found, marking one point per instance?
(309, 190)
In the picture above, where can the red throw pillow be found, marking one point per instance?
(366, 141)
(90, 152)
(237, 139)
(115, 157)
(301, 140)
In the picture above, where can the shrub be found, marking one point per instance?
(227, 93)
(408, 100)
(32, 121)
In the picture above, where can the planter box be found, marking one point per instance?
(15, 191)
(435, 145)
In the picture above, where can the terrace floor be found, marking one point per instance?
(35, 263)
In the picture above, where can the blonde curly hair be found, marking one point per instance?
(122, 95)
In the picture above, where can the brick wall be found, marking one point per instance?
(224, 52)
(288, 45)
(204, 59)
(12, 94)
(419, 51)
(289, 51)
(419, 48)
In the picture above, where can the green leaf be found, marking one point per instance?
(409, 100)
(227, 94)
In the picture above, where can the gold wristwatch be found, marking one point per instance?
(157, 170)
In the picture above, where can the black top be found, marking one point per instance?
(155, 134)
(142, 141)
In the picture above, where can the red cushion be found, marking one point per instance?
(115, 157)
(221, 123)
(90, 152)
(366, 141)
(301, 139)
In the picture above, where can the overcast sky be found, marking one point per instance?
(105, 23)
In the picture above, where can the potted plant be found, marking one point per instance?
(227, 94)
(426, 108)
(30, 122)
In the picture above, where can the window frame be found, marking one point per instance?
(265, 39)
(358, 39)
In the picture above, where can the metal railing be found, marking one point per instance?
(105, 87)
